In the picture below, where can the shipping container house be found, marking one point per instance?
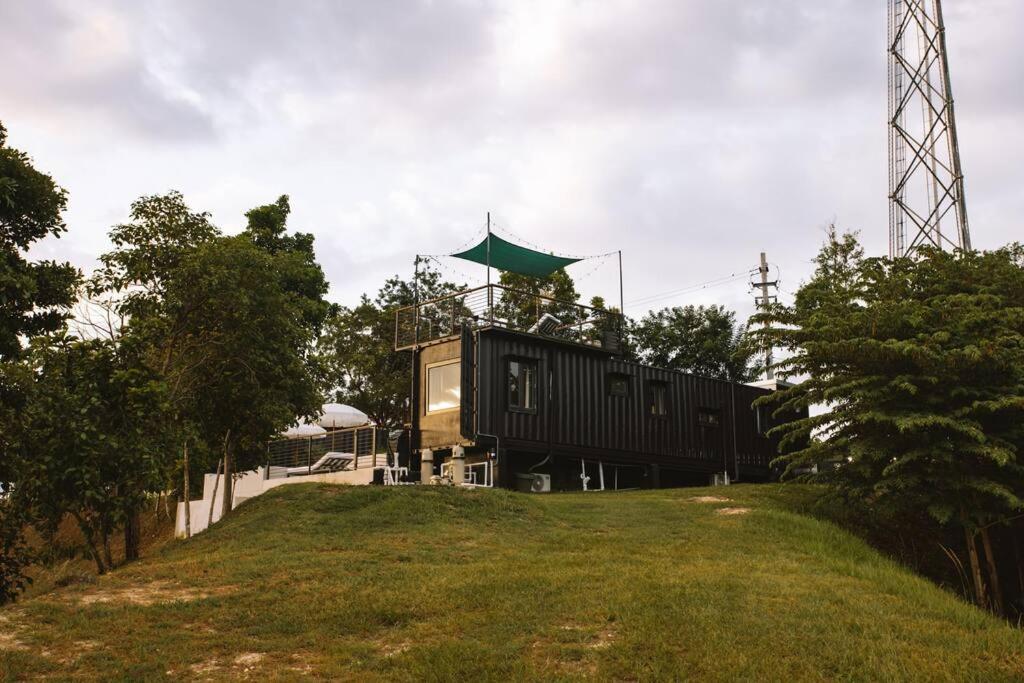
(555, 408)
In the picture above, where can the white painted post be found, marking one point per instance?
(426, 465)
(458, 465)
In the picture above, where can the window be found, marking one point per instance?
(711, 438)
(658, 406)
(443, 386)
(522, 385)
(708, 418)
(618, 384)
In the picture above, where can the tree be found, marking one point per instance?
(90, 443)
(919, 364)
(161, 233)
(15, 554)
(244, 349)
(527, 299)
(131, 282)
(702, 340)
(36, 295)
(36, 298)
(357, 349)
(295, 259)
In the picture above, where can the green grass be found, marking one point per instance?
(420, 583)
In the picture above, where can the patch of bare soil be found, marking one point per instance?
(9, 628)
(394, 649)
(575, 658)
(241, 666)
(146, 594)
(732, 511)
(710, 499)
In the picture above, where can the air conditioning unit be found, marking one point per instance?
(541, 483)
(533, 482)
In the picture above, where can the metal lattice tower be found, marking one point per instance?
(926, 185)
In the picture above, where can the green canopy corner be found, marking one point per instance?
(515, 259)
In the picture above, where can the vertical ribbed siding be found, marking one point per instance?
(575, 409)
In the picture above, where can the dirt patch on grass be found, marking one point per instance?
(732, 511)
(394, 649)
(9, 628)
(240, 666)
(8, 641)
(710, 499)
(147, 594)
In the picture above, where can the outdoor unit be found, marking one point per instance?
(533, 482)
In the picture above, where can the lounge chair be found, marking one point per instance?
(332, 461)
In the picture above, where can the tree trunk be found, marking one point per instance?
(979, 583)
(90, 540)
(132, 536)
(187, 495)
(108, 559)
(228, 476)
(1018, 557)
(993, 572)
(213, 499)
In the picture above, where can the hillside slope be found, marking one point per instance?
(429, 583)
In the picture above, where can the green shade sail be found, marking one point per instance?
(515, 259)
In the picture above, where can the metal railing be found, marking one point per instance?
(337, 450)
(500, 306)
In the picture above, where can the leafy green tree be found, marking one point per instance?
(295, 259)
(36, 299)
(702, 340)
(357, 351)
(147, 249)
(131, 281)
(36, 295)
(527, 299)
(15, 554)
(244, 349)
(91, 440)
(919, 366)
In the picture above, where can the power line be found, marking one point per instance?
(725, 279)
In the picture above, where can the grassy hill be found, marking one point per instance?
(428, 583)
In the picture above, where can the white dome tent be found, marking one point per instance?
(303, 429)
(339, 416)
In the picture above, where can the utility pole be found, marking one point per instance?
(926, 183)
(763, 302)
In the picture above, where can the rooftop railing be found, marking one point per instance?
(505, 307)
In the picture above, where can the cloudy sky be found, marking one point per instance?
(691, 134)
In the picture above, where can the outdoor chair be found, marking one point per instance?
(331, 461)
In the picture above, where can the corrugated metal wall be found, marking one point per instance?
(576, 412)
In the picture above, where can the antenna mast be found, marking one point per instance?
(763, 302)
(926, 184)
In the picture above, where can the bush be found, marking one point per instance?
(15, 555)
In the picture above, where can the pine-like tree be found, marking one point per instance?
(918, 364)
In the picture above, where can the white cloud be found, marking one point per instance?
(692, 134)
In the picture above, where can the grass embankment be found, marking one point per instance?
(429, 583)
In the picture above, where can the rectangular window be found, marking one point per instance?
(659, 399)
(618, 384)
(710, 435)
(443, 386)
(708, 418)
(522, 385)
